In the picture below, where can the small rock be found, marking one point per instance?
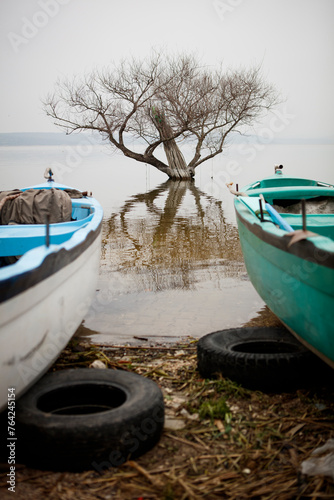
(320, 465)
(176, 402)
(174, 424)
(184, 413)
(98, 364)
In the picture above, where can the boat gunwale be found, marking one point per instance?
(53, 258)
(304, 249)
(26, 231)
(279, 177)
(51, 263)
(54, 261)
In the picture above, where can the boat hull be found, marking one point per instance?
(37, 324)
(43, 299)
(297, 283)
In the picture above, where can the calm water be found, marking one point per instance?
(171, 263)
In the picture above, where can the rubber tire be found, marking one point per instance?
(97, 440)
(262, 358)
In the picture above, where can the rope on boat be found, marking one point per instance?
(233, 191)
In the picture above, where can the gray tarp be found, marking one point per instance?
(322, 205)
(32, 206)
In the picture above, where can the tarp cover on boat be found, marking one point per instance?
(319, 205)
(33, 205)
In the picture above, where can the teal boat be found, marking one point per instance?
(286, 229)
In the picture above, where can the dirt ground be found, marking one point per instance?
(220, 440)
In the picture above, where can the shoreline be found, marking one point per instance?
(257, 451)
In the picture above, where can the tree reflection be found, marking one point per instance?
(165, 236)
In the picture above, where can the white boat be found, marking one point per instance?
(46, 292)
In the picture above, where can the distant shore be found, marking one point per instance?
(61, 139)
(46, 139)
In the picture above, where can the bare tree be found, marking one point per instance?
(163, 102)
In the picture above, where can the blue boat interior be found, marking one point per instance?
(319, 223)
(322, 224)
(20, 238)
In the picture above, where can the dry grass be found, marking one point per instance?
(232, 443)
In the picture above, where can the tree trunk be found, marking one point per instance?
(178, 168)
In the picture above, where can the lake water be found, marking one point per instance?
(171, 263)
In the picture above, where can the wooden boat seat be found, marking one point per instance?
(292, 194)
(274, 182)
(318, 223)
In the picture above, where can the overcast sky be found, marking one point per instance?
(43, 40)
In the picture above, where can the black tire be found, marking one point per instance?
(81, 419)
(262, 358)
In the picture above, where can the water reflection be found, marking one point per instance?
(163, 237)
(171, 267)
